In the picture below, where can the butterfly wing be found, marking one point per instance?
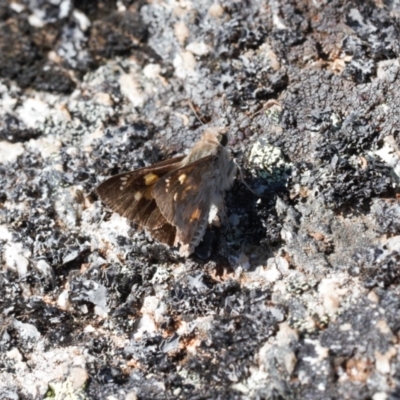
(130, 195)
(160, 229)
(184, 197)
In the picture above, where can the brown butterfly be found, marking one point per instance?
(173, 199)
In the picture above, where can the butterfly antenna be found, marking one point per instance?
(265, 107)
(194, 112)
(257, 112)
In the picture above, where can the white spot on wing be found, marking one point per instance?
(182, 178)
(138, 196)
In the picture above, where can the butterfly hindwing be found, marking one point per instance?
(164, 232)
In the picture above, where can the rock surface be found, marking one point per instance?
(299, 298)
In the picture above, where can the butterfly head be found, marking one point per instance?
(216, 135)
(223, 138)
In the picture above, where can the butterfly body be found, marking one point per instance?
(172, 199)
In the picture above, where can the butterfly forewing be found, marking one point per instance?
(130, 194)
